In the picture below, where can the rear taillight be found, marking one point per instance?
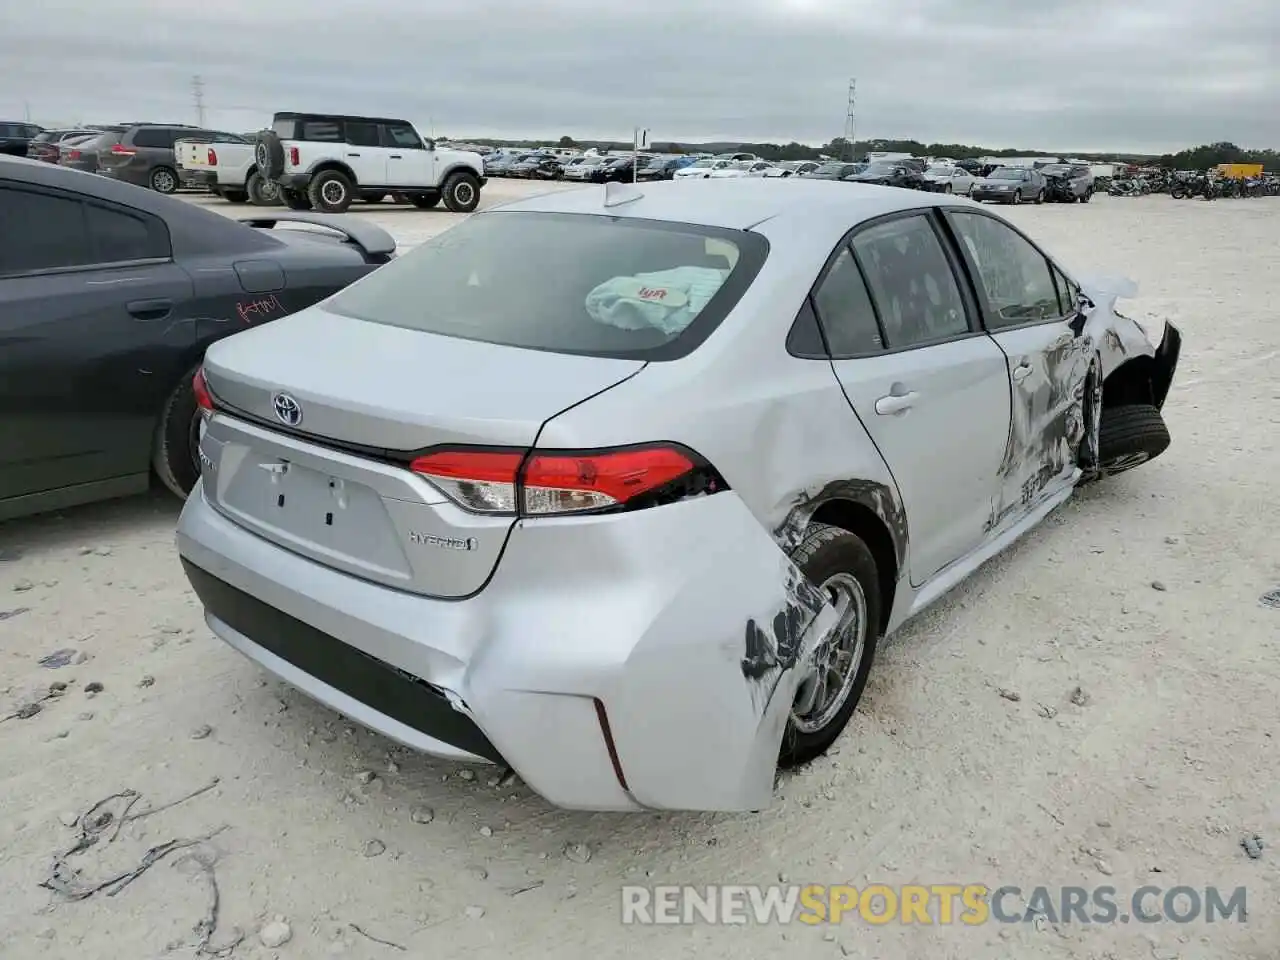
(122, 151)
(553, 483)
(200, 387)
(73, 155)
(213, 157)
(294, 157)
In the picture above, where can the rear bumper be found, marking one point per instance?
(1165, 362)
(632, 624)
(208, 179)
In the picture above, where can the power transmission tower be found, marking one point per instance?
(197, 95)
(850, 122)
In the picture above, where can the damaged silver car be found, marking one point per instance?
(621, 487)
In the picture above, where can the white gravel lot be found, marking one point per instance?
(1170, 762)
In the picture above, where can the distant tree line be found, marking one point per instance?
(1195, 158)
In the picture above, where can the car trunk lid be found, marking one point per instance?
(323, 416)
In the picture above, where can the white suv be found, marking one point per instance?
(325, 161)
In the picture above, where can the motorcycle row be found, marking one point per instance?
(1186, 185)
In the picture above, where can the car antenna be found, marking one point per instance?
(616, 194)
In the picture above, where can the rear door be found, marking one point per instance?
(364, 152)
(90, 339)
(1047, 357)
(930, 388)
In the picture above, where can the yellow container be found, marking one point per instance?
(1239, 171)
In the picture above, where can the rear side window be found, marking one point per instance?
(566, 283)
(161, 137)
(326, 131)
(118, 236)
(914, 287)
(845, 310)
(284, 129)
(53, 232)
(360, 133)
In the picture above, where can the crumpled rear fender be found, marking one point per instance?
(687, 623)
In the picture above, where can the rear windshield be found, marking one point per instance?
(566, 283)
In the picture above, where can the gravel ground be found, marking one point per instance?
(972, 759)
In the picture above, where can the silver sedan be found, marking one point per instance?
(622, 487)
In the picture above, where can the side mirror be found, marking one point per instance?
(428, 144)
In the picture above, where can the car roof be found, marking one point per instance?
(303, 115)
(739, 204)
(191, 228)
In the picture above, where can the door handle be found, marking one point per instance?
(353, 154)
(896, 403)
(1021, 371)
(150, 309)
(395, 156)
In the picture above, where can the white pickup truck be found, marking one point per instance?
(228, 168)
(324, 161)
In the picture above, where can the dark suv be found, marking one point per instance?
(142, 154)
(44, 145)
(16, 137)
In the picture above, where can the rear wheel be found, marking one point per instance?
(840, 564)
(294, 199)
(331, 191)
(1040, 197)
(176, 449)
(1129, 436)
(262, 192)
(461, 192)
(164, 180)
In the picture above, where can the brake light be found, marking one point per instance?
(213, 157)
(122, 151)
(294, 157)
(73, 155)
(200, 387)
(554, 483)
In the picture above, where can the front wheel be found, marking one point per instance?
(1177, 193)
(176, 449)
(461, 192)
(1017, 196)
(947, 189)
(1086, 196)
(1129, 436)
(842, 566)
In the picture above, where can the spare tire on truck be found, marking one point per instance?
(269, 153)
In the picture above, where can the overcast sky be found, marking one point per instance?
(1141, 75)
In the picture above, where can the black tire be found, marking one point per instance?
(461, 192)
(294, 199)
(175, 451)
(425, 201)
(1129, 436)
(164, 180)
(1086, 196)
(1017, 197)
(372, 197)
(235, 196)
(1177, 193)
(262, 192)
(331, 191)
(947, 189)
(824, 553)
(269, 154)
(1040, 197)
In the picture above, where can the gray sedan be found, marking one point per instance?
(622, 487)
(1011, 185)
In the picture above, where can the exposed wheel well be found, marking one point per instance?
(863, 522)
(1129, 383)
(342, 168)
(458, 168)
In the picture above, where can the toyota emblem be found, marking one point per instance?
(288, 410)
